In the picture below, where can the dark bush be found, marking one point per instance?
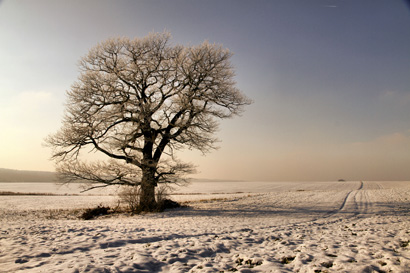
(168, 204)
(91, 213)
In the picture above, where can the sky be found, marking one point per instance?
(329, 80)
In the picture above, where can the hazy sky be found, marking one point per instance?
(330, 80)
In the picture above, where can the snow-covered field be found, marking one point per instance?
(229, 226)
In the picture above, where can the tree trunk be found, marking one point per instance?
(148, 184)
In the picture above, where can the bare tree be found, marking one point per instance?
(136, 102)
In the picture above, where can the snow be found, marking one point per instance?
(229, 226)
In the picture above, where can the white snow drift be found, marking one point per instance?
(229, 226)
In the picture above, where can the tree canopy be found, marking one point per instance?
(137, 102)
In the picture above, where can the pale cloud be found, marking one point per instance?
(26, 119)
(395, 97)
(384, 157)
(392, 140)
(29, 108)
(34, 97)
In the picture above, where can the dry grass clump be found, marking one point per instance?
(287, 260)
(130, 197)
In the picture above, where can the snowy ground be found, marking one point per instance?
(229, 226)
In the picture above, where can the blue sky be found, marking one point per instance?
(330, 80)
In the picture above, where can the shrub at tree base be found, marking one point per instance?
(168, 204)
(160, 207)
(131, 196)
(91, 213)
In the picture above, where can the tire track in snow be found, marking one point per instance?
(356, 201)
(351, 193)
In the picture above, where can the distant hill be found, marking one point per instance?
(8, 175)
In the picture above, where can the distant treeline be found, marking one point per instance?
(8, 175)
